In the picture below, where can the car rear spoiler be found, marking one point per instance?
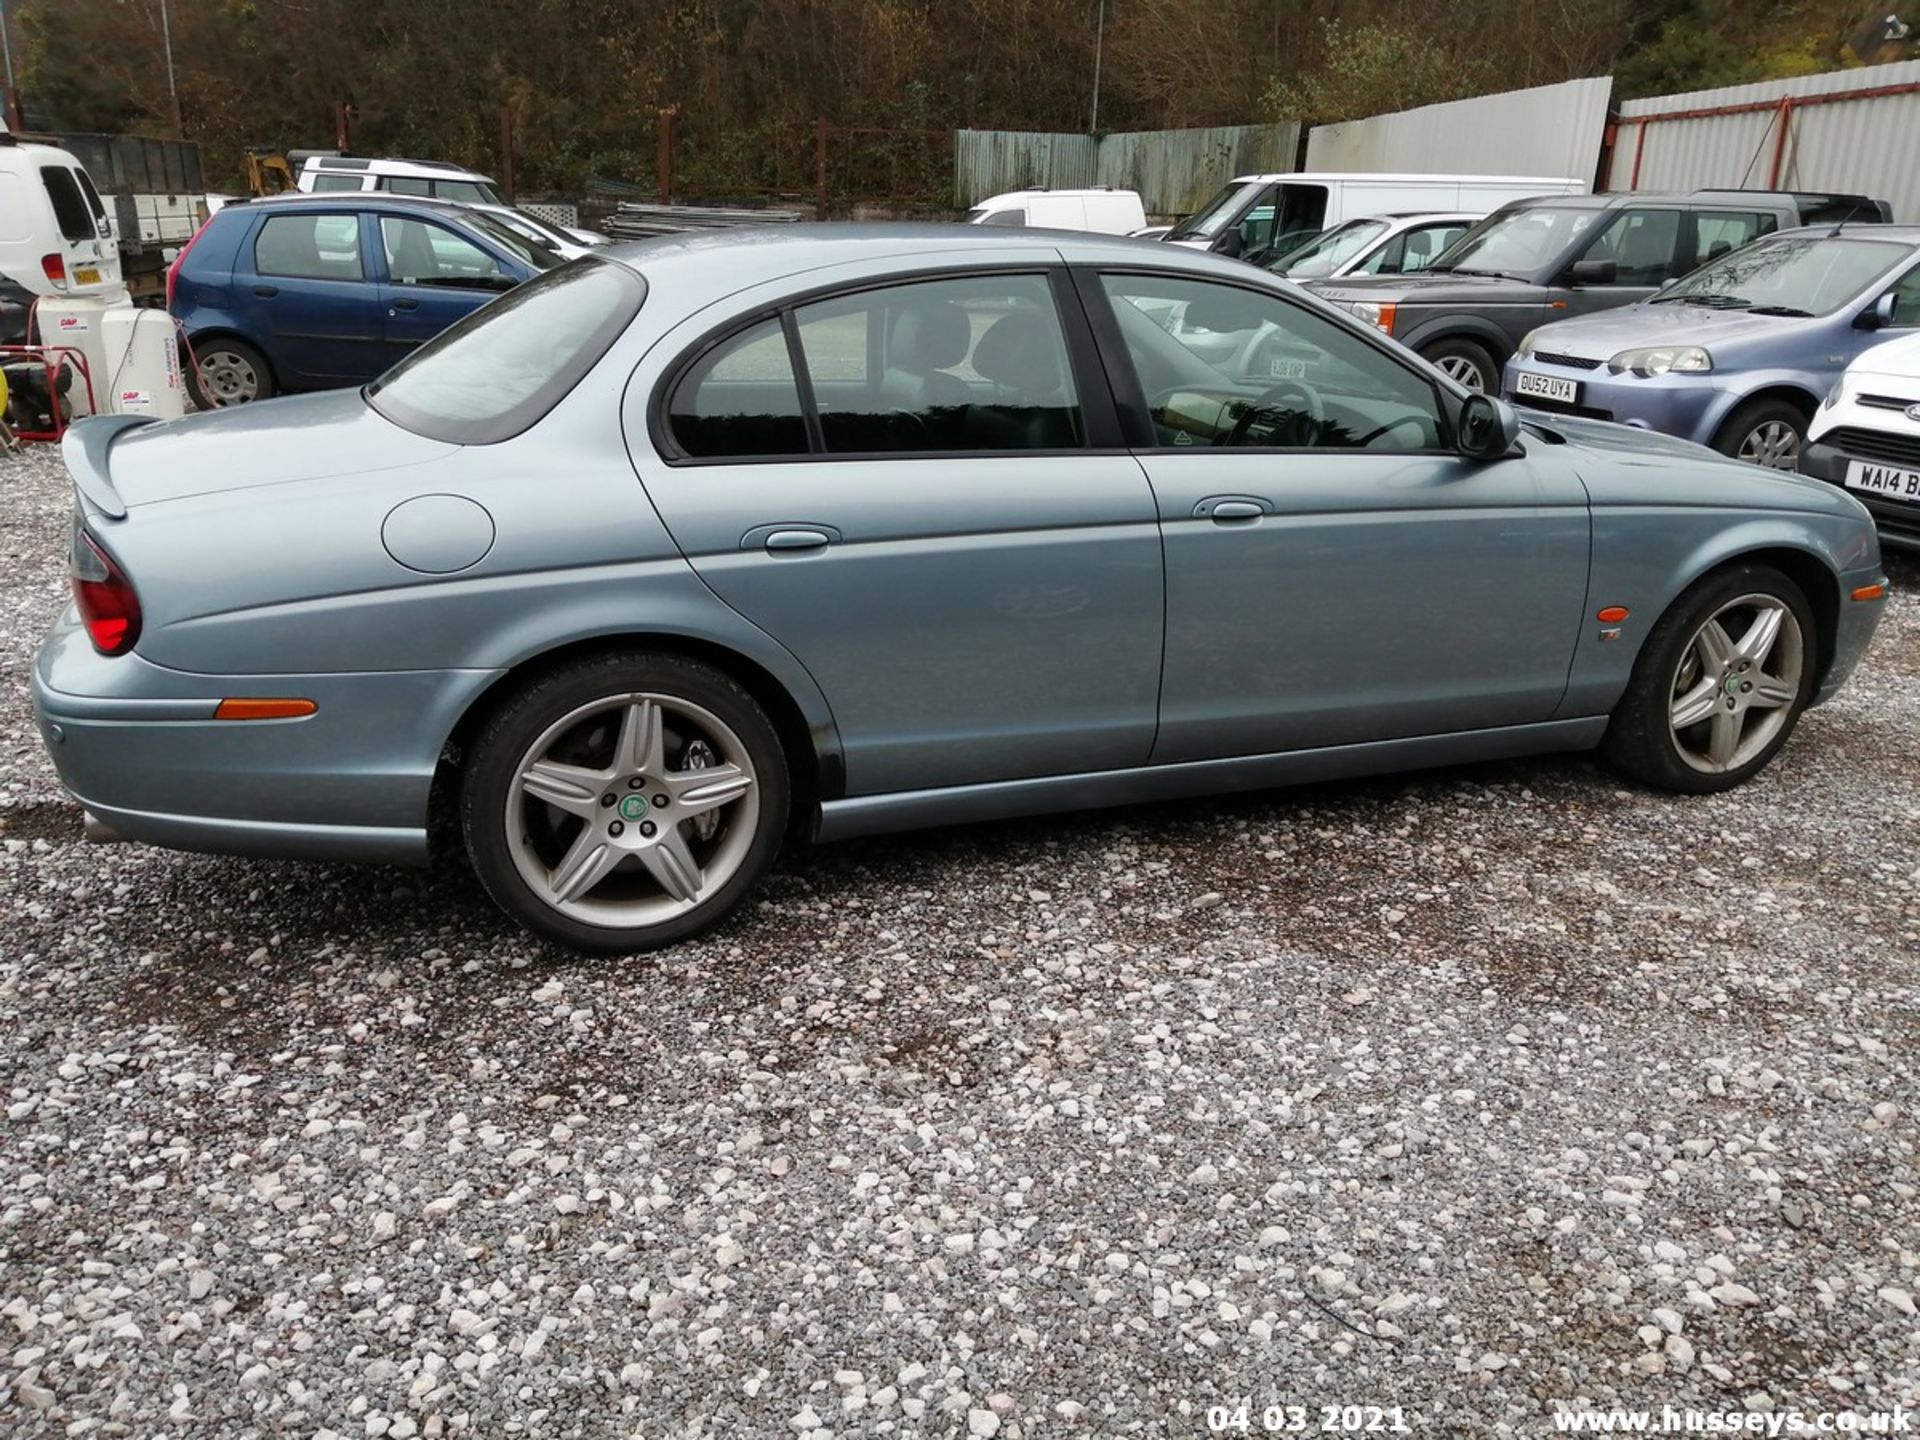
(84, 449)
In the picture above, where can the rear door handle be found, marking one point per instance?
(790, 535)
(404, 304)
(1230, 509)
(266, 292)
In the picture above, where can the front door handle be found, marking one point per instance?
(1230, 509)
(405, 304)
(266, 292)
(798, 540)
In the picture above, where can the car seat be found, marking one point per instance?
(1031, 407)
(922, 341)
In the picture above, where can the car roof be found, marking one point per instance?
(1851, 229)
(751, 255)
(1406, 178)
(349, 200)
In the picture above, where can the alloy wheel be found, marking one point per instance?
(1772, 443)
(631, 810)
(1462, 369)
(1736, 683)
(228, 379)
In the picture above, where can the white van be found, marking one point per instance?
(1101, 210)
(1259, 216)
(320, 170)
(55, 237)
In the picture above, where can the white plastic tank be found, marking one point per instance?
(142, 364)
(78, 322)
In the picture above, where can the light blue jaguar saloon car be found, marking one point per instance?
(695, 545)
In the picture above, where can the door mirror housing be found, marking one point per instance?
(1593, 272)
(1879, 315)
(1232, 244)
(1488, 428)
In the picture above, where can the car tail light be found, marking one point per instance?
(173, 270)
(108, 607)
(55, 269)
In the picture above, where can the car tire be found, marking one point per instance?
(1768, 432)
(568, 844)
(1702, 712)
(223, 371)
(1466, 361)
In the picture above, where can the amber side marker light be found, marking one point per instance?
(1871, 592)
(1611, 615)
(264, 709)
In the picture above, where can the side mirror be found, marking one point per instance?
(1232, 244)
(1593, 272)
(1879, 315)
(1488, 428)
(1666, 285)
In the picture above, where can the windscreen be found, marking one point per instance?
(530, 250)
(1797, 275)
(1518, 242)
(500, 369)
(1327, 253)
(1210, 219)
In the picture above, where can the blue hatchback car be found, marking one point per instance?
(310, 292)
(1739, 354)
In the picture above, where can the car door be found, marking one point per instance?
(918, 489)
(434, 275)
(309, 300)
(1336, 573)
(1632, 253)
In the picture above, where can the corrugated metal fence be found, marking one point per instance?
(1174, 170)
(1549, 130)
(1848, 130)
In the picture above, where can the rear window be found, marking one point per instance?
(465, 192)
(70, 209)
(996, 217)
(500, 369)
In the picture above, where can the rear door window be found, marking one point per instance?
(309, 247)
(335, 182)
(741, 399)
(405, 185)
(70, 209)
(1641, 244)
(1719, 232)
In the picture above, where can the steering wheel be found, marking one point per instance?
(1269, 401)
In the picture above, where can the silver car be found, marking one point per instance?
(698, 544)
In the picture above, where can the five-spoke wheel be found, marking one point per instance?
(625, 802)
(1719, 684)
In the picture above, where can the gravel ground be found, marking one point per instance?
(1480, 1094)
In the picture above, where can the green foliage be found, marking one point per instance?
(1375, 69)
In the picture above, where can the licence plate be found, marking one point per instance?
(1278, 369)
(1889, 480)
(86, 275)
(1548, 387)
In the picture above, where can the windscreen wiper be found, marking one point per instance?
(1712, 302)
(1789, 310)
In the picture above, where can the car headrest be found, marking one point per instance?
(930, 335)
(1020, 352)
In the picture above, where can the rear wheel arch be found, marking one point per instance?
(814, 762)
(192, 346)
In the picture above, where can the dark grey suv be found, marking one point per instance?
(1534, 261)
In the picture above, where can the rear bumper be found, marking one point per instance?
(138, 746)
(1897, 520)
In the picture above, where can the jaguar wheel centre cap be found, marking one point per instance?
(632, 807)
